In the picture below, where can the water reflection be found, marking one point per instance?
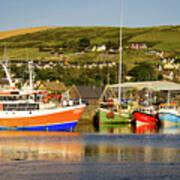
(15, 145)
(86, 128)
(125, 128)
(104, 153)
(75, 147)
(170, 130)
(147, 129)
(129, 129)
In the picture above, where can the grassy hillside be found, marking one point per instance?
(164, 38)
(153, 36)
(28, 41)
(59, 36)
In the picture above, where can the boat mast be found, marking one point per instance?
(120, 55)
(30, 68)
(8, 75)
(4, 65)
(30, 75)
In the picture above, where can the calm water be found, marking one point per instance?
(109, 152)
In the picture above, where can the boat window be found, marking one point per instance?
(20, 107)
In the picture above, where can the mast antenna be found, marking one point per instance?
(120, 53)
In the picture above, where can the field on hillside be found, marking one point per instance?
(23, 53)
(29, 42)
(8, 34)
(153, 36)
(163, 38)
(65, 35)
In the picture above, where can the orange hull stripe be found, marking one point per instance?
(5, 93)
(61, 117)
(4, 134)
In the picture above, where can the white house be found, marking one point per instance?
(99, 48)
(168, 75)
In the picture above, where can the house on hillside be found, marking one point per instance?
(94, 48)
(99, 48)
(168, 75)
(138, 46)
(90, 94)
(128, 78)
(156, 53)
(169, 63)
(113, 51)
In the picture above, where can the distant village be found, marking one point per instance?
(168, 67)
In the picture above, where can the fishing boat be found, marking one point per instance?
(169, 114)
(112, 108)
(145, 115)
(32, 110)
(113, 116)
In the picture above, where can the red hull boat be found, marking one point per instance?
(144, 118)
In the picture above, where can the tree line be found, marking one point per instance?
(87, 76)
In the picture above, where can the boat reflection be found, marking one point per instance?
(170, 130)
(78, 148)
(129, 129)
(124, 128)
(17, 145)
(147, 129)
(85, 128)
(118, 153)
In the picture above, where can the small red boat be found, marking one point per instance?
(144, 115)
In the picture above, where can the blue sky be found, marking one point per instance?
(15, 14)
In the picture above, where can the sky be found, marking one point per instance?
(16, 14)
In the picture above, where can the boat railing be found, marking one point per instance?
(168, 105)
(146, 109)
(62, 104)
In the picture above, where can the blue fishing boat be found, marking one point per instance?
(169, 118)
(169, 115)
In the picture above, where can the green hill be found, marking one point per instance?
(161, 38)
(156, 36)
